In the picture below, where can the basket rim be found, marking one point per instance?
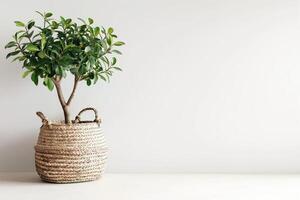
(63, 124)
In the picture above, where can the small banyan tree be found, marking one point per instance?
(55, 48)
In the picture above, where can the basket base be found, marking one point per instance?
(68, 181)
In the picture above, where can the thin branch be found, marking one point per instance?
(19, 46)
(76, 79)
(28, 35)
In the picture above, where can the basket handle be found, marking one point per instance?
(97, 119)
(44, 119)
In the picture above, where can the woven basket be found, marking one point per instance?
(70, 153)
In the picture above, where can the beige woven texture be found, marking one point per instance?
(70, 153)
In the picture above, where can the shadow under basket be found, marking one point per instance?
(70, 153)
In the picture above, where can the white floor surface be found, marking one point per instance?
(27, 186)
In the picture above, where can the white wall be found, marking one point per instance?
(208, 86)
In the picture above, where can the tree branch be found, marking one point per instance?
(62, 101)
(76, 79)
(59, 92)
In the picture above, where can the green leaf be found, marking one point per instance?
(105, 60)
(64, 74)
(119, 43)
(117, 68)
(63, 20)
(54, 25)
(87, 66)
(74, 70)
(20, 24)
(102, 77)
(30, 24)
(16, 58)
(49, 14)
(12, 54)
(41, 54)
(83, 28)
(97, 31)
(82, 70)
(68, 21)
(110, 30)
(88, 82)
(59, 70)
(49, 83)
(26, 73)
(22, 58)
(35, 78)
(32, 48)
(40, 13)
(109, 41)
(114, 60)
(43, 41)
(10, 44)
(116, 51)
(80, 19)
(90, 20)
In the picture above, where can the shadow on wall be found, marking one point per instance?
(17, 153)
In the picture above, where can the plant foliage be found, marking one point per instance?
(50, 51)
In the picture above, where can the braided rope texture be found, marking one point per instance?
(70, 153)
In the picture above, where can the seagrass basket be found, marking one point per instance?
(69, 153)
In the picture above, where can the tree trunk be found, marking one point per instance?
(65, 105)
(62, 102)
(67, 114)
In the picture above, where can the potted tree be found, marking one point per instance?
(69, 150)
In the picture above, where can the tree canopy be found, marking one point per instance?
(51, 50)
(55, 48)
